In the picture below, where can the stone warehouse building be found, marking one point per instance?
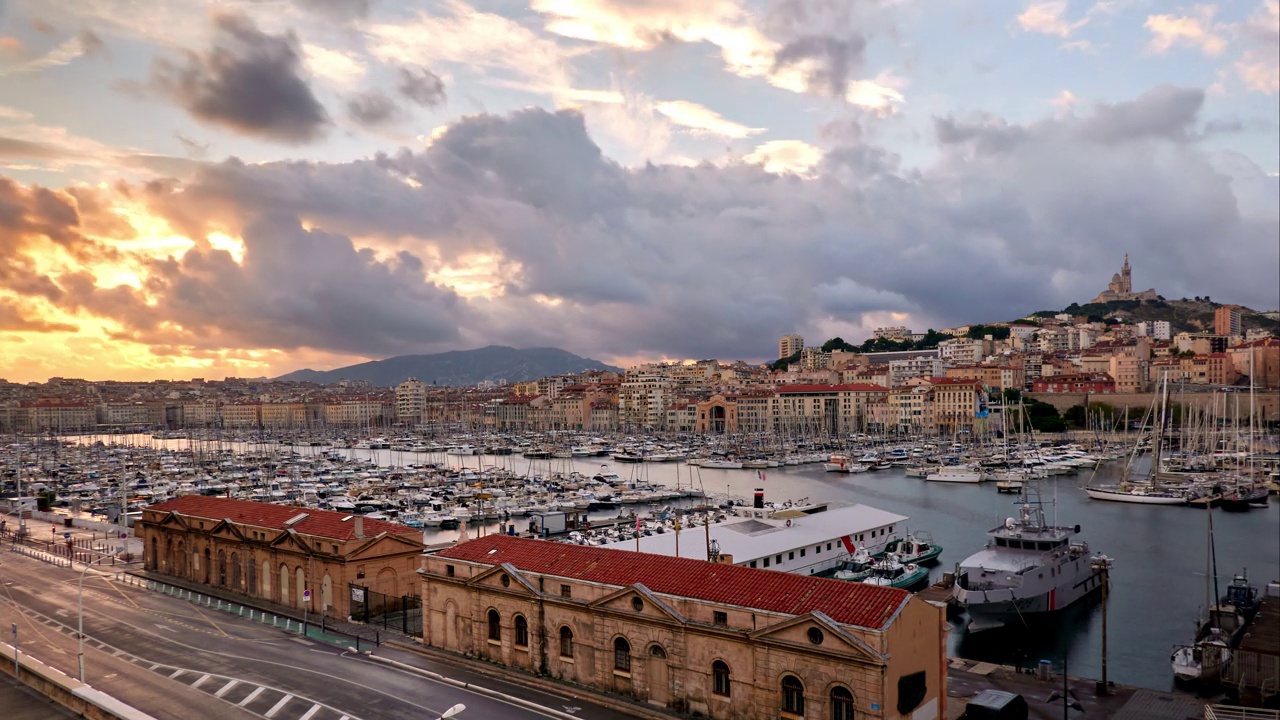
(276, 552)
(714, 639)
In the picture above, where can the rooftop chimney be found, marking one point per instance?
(359, 526)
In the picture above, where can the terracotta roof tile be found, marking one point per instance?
(845, 602)
(319, 523)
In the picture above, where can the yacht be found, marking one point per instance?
(955, 474)
(1027, 569)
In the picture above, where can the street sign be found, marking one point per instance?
(66, 535)
(306, 596)
(357, 594)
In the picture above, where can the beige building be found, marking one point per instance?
(277, 552)
(790, 345)
(716, 640)
(411, 400)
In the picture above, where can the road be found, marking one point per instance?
(176, 660)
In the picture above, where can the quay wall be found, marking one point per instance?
(1266, 402)
(68, 692)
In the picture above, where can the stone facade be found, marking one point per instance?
(689, 654)
(252, 548)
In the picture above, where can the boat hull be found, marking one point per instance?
(1131, 497)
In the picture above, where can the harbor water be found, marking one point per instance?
(1158, 581)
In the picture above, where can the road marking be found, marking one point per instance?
(345, 717)
(153, 667)
(117, 653)
(276, 708)
(314, 709)
(226, 688)
(252, 696)
(176, 673)
(200, 682)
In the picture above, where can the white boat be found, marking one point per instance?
(1138, 493)
(1027, 569)
(1203, 661)
(843, 464)
(721, 464)
(464, 449)
(955, 474)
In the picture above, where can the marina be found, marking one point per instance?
(1154, 549)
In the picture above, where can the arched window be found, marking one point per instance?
(622, 655)
(522, 631)
(495, 625)
(222, 568)
(235, 571)
(208, 566)
(566, 642)
(720, 678)
(841, 703)
(792, 695)
(657, 651)
(153, 562)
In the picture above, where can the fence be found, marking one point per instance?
(391, 612)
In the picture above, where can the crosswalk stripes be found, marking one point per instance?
(310, 713)
(278, 706)
(252, 696)
(226, 688)
(203, 679)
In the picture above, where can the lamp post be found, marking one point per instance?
(80, 621)
(1102, 565)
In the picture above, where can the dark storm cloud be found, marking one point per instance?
(373, 108)
(829, 61)
(421, 86)
(249, 82)
(339, 10)
(706, 261)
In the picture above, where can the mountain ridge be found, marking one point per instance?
(457, 368)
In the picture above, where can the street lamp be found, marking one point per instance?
(452, 711)
(80, 622)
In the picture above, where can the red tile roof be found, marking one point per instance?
(845, 602)
(827, 388)
(320, 523)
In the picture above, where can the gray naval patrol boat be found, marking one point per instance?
(1028, 570)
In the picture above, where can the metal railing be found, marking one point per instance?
(1232, 712)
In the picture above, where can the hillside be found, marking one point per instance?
(1183, 315)
(459, 368)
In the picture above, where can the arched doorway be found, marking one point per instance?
(284, 584)
(153, 562)
(222, 568)
(251, 571)
(659, 676)
(266, 579)
(387, 583)
(181, 555)
(451, 626)
(302, 586)
(208, 566)
(235, 573)
(326, 594)
(170, 562)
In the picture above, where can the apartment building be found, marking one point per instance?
(790, 345)
(644, 396)
(411, 400)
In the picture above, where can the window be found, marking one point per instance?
(777, 559)
(791, 555)
(753, 563)
(720, 617)
(495, 625)
(720, 678)
(815, 636)
(622, 655)
(522, 631)
(658, 652)
(566, 642)
(448, 571)
(766, 562)
(841, 704)
(801, 552)
(566, 591)
(818, 549)
(506, 581)
(792, 695)
(637, 604)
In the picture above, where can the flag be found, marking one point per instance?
(637, 523)
(760, 474)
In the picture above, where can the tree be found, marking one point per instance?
(837, 344)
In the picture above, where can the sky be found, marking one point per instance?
(201, 188)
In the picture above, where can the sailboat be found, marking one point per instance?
(1247, 491)
(1205, 659)
(1150, 490)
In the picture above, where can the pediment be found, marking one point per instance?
(290, 539)
(650, 605)
(174, 519)
(383, 545)
(507, 578)
(227, 530)
(798, 632)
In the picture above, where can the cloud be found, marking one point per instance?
(421, 86)
(519, 229)
(248, 82)
(373, 108)
(342, 69)
(339, 10)
(704, 120)
(1046, 16)
(1199, 32)
(17, 148)
(785, 156)
(1257, 66)
(827, 62)
(86, 43)
(12, 318)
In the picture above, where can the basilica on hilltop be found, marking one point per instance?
(1121, 287)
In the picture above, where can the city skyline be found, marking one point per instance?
(247, 188)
